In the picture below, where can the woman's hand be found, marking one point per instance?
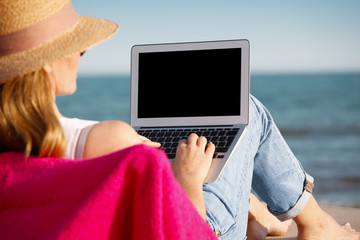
(193, 159)
(191, 166)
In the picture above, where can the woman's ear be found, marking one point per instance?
(47, 68)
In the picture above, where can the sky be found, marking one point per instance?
(285, 36)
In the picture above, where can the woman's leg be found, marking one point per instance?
(314, 223)
(279, 177)
(280, 181)
(262, 223)
(226, 202)
(227, 199)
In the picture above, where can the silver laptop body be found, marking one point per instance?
(177, 88)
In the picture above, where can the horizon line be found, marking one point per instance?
(317, 72)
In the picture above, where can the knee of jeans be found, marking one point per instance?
(292, 191)
(302, 201)
(280, 191)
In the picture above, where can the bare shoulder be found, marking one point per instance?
(109, 136)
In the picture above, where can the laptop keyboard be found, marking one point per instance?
(170, 138)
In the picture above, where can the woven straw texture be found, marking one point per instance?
(86, 33)
(18, 14)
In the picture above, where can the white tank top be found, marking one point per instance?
(76, 131)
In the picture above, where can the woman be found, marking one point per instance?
(40, 47)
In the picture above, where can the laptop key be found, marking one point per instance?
(171, 155)
(176, 134)
(222, 138)
(161, 134)
(221, 149)
(146, 134)
(153, 134)
(216, 143)
(232, 133)
(207, 133)
(214, 139)
(229, 141)
(183, 134)
(222, 133)
(213, 133)
(168, 134)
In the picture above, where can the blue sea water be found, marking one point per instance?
(318, 114)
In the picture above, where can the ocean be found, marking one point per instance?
(318, 115)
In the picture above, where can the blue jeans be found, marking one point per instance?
(263, 162)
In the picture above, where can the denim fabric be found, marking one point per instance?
(261, 161)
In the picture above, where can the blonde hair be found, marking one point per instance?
(28, 122)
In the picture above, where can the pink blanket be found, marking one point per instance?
(130, 194)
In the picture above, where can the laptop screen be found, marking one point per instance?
(189, 83)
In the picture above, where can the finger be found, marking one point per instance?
(152, 144)
(148, 142)
(202, 142)
(183, 142)
(193, 138)
(210, 150)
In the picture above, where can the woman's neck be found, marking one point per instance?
(57, 112)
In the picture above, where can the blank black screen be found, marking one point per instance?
(198, 83)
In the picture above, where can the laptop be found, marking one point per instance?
(194, 87)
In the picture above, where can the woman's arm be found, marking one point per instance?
(191, 166)
(110, 136)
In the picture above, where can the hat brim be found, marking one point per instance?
(87, 32)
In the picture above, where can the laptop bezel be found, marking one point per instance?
(243, 118)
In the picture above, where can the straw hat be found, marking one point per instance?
(38, 32)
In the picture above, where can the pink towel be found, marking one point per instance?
(130, 194)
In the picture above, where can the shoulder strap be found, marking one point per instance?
(79, 152)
